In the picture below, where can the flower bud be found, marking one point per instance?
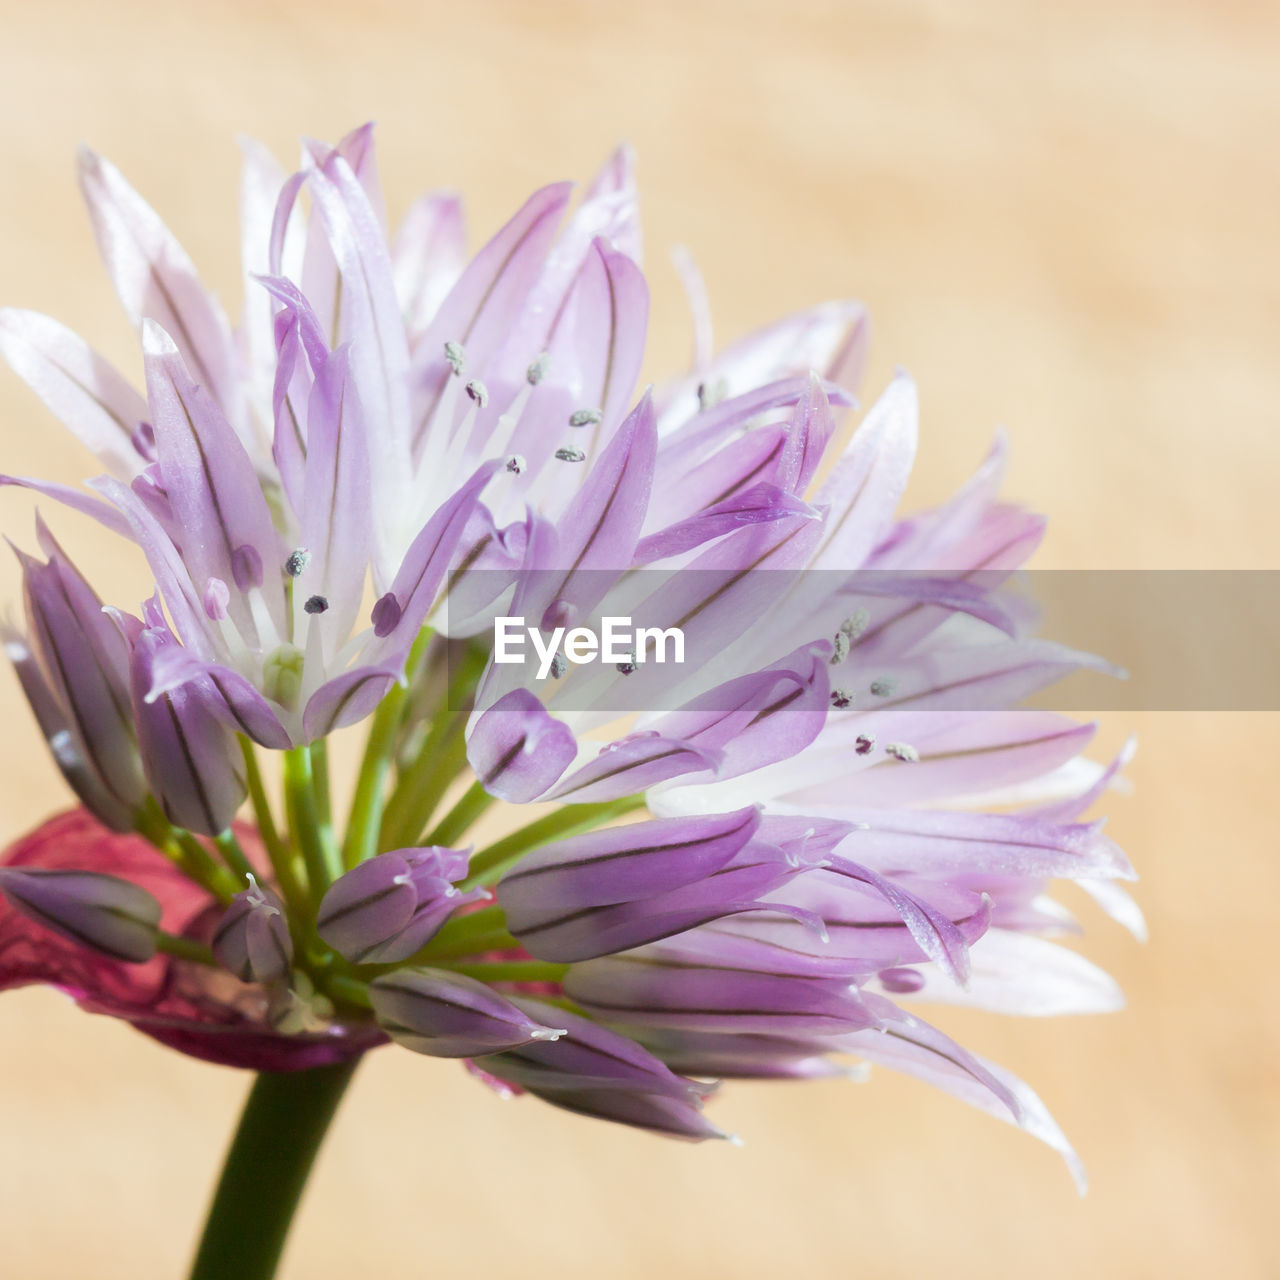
(447, 1015)
(389, 907)
(74, 669)
(191, 758)
(252, 939)
(109, 915)
(595, 1071)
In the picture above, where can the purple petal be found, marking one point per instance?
(649, 988)
(602, 523)
(447, 1015)
(156, 280)
(191, 759)
(105, 913)
(211, 483)
(95, 509)
(518, 749)
(335, 525)
(811, 428)
(427, 256)
(600, 335)
(88, 395)
(425, 565)
(632, 765)
(760, 504)
(347, 699)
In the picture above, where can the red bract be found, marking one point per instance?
(190, 1007)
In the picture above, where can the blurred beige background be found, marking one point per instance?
(1064, 219)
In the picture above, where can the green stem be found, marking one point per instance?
(170, 944)
(319, 856)
(370, 795)
(490, 863)
(511, 971)
(440, 758)
(468, 935)
(186, 852)
(471, 804)
(283, 1124)
(234, 856)
(262, 814)
(320, 774)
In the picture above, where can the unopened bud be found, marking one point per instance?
(447, 1015)
(390, 906)
(104, 913)
(252, 939)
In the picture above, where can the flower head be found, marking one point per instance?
(750, 864)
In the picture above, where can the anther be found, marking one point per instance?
(855, 624)
(585, 417)
(537, 370)
(246, 567)
(296, 564)
(839, 648)
(864, 744)
(710, 394)
(476, 390)
(216, 598)
(386, 615)
(884, 687)
(515, 464)
(559, 665)
(841, 698)
(316, 604)
(901, 751)
(456, 357)
(571, 455)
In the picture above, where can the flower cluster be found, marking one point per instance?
(761, 875)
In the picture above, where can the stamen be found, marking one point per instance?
(217, 595)
(841, 698)
(884, 687)
(515, 464)
(571, 455)
(246, 567)
(710, 395)
(855, 624)
(559, 665)
(264, 624)
(548, 1033)
(456, 357)
(316, 604)
(585, 417)
(143, 440)
(839, 648)
(537, 370)
(901, 980)
(386, 615)
(627, 668)
(296, 564)
(478, 392)
(901, 751)
(864, 743)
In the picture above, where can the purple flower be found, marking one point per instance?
(448, 1015)
(388, 908)
(831, 817)
(252, 938)
(105, 913)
